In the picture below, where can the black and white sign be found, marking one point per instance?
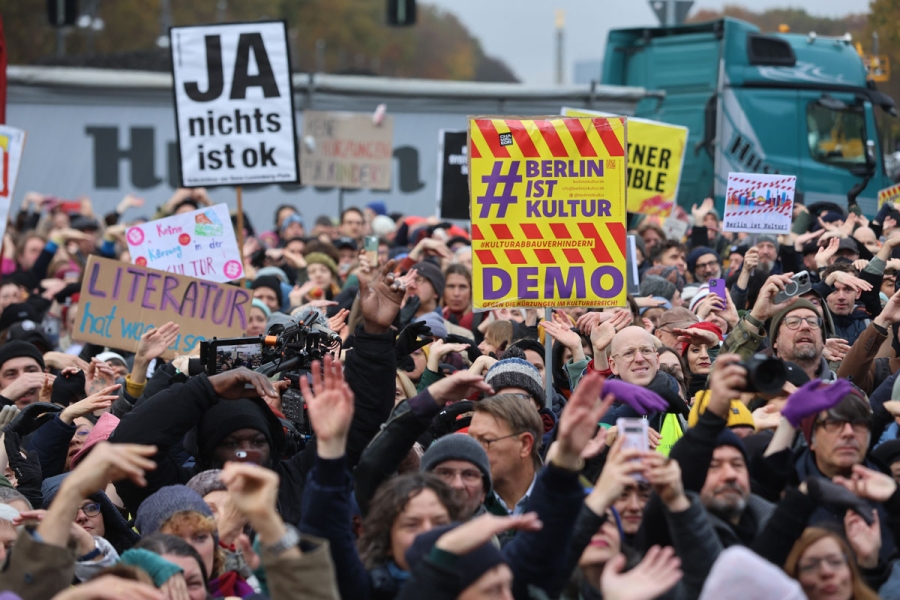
(234, 106)
(453, 175)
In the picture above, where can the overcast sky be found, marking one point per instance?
(521, 32)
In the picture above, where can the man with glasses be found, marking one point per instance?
(704, 264)
(509, 430)
(797, 330)
(674, 318)
(461, 462)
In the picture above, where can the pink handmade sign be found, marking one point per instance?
(200, 243)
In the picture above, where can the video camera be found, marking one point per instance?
(288, 348)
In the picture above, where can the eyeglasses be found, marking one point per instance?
(486, 443)
(837, 425)
(469, 476)
(92, 509)
(812, 565)
(794, 322)
(630, 354)
(707, 265)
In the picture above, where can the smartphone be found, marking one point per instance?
(800, 284)
(637, 436)
(248, 456)
(223, 355)
(717, 288)
(372, 250)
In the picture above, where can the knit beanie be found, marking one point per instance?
(228, 416)
(738, 413)
(767, 237)
(654, 285)
(159, 507)
(469, 567)
(206, 482)
(779, 317)
(159, 569)
(458, 446)
(262, 306)
(670, 274)
(516, 373)
(729, 438)
(433, 274)
(18, 349)
(742, 573)
(436, 323)
(696, 253)
(320, 258)
(271, 282)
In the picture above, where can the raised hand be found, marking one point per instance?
(588, 321)
(111, 587)
(330, 406)
(110, 463)
(765, 307)
(655, 574)
(253, 489)
(561, 331)
(826, 253)
(864, 538)
(380, 299)
(812, 398)
(835, 349)
(698, 213)
(155, 342)
(890, 314)
(458, 387)
(851, 281)
(475, 533)
(641, 399)
(578, 423)
(696, 336)
(25, 384)
(99, 401)
(664, 475)
(242, 383)
(98, 376)
(803, 238)
(602, 336)
(868, 484)
(727, 381)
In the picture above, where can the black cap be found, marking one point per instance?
(31, 332)
(345, 242)
(15, 313)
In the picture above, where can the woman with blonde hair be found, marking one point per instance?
(824, 565)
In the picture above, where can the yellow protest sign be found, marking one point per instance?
(655, 160)
(548, 211)
(891, 194)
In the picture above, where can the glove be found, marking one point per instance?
(68, 388)
(452, 418)
(812, 398)
(833, 496)
(640, 399)
(32, 417)
(408, 340)
(472, 352)
(27, 470)
(7, 414)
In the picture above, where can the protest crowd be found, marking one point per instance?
(428, 460)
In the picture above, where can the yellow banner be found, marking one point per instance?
(891, 194)
(655, 160)
(548, 211)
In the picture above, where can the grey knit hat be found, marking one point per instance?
(516, 373)
(654, 285)
(458, 446)
(206, 482)
(161, 505)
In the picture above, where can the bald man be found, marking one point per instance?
(633, 357)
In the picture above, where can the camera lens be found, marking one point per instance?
(765, 375)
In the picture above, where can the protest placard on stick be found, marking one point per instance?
(759, 203)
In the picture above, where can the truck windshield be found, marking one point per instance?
(836, 137)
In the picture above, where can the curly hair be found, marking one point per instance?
(190, 521)
(389, 502)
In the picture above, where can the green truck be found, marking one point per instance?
(759, 103)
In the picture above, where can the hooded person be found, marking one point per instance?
(704, 264)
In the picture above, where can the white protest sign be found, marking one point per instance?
(199, 243)
(12, 143)
(234, 105)
(759, 203)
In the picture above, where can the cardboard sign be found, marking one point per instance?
(675, 229)
(453, 175)
(234, 105)
(891, 194)
(759, 203)
(12, 144)
(548, 211)
(346, 150)
(199, 243)
(119, 302)
(655, 161)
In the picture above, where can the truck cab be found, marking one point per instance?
(759, 103)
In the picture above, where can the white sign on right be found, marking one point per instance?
(759, 203)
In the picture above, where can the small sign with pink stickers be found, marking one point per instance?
(200, 243)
